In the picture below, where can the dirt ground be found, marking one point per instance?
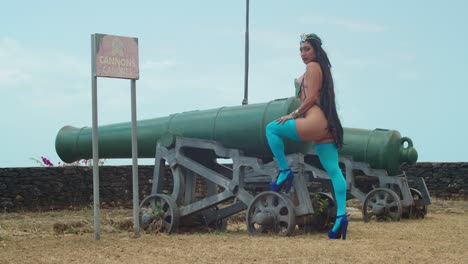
(67, 237)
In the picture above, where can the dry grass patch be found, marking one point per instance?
(67, 237)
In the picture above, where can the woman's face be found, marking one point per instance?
(307, 52)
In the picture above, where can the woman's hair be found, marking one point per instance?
(327, 94)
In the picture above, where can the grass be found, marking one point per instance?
(67, 237)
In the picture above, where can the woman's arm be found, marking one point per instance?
(312, 85)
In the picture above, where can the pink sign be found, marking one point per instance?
(116, 57)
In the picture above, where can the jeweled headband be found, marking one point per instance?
(310, 36)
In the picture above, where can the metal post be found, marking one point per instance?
(136, 221)
(97, 226)
(246, 73)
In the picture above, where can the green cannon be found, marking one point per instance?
(192, 142)
(238, 127)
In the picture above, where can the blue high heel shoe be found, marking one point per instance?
(341, 232)
(287, 183)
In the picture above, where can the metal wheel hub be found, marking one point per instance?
(271, 212)
(378, 208)
(266, 217)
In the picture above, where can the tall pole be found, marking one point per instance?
(97, 225)
(246, 73)
(136, 206)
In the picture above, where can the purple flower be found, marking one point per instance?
(47, 162)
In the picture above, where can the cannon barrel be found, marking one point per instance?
(239, 127)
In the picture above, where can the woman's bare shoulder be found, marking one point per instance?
(313, 71)
(313, 66)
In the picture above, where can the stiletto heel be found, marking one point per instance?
(287, 183)
(341, 231)
(344, 228)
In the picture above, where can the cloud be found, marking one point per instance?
(159, 65)
(357, 62)
(351, 25)
(9, 76)
(33, 67)
(10, 72)
(274, 39)
(410, 74)
(60, 100)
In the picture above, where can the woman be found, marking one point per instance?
(315, 120)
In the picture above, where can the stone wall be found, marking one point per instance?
(67, 187)
(446, 180)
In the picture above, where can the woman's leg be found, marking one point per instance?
(275, 133)
(328, 155)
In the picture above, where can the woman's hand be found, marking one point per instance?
(283, 119)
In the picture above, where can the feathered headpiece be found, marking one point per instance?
(310, 36)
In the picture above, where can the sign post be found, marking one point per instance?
(114, 57)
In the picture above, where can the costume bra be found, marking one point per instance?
(305, 96)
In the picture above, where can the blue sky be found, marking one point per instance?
(397, 64)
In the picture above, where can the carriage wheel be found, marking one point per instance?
(271, 212)
(418, 209)
(159, 213)
(382, 203)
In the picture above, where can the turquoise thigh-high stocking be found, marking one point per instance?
(328, 155)
(275, 133)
